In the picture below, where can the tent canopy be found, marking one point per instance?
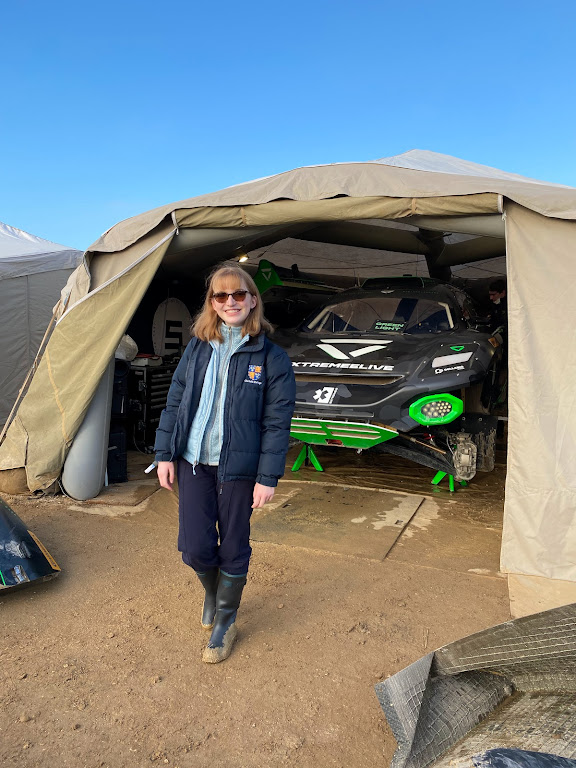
(415, 174)
(402, 204)
(24, 254)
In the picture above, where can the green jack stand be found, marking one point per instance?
(441, 475)
(307, 455)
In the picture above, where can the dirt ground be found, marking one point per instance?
(102, 666)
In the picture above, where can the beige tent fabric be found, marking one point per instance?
(108, 266)
(77, 286)
(77, 354)
(354, 180)
(539, 535)
(336, 209)
(15, 444)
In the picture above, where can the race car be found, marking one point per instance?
(399, 365)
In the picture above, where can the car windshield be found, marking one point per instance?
(382, 314)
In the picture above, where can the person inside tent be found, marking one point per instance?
(497, 295)
(225, 432)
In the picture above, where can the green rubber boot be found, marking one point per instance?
(224, 632)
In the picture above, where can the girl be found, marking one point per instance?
(225, 431)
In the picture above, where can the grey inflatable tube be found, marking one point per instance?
(85, 466)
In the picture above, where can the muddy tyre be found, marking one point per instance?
(486, 449)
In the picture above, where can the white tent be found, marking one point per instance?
(32, 274)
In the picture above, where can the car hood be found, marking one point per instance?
(372, 354)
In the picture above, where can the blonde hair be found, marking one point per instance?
(206, 325)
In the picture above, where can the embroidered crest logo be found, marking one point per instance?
(254, 372)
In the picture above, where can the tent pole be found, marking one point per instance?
(435, 247)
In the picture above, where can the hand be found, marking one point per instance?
(262, 494)
(166, 471)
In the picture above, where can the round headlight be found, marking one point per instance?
(436, 409)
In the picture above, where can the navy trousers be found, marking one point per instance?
(214, 519)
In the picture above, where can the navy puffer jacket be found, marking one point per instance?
(257, 410)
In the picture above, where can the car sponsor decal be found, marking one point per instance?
(355, 366)
(380, 325)
(449, 368)
(362, 347)
(443, 360)
(325, 395)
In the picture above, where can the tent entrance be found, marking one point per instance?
(344, 253)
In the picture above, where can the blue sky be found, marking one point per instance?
(110, 109)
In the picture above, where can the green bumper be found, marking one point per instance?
(348, 434)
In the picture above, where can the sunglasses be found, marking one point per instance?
(222, 297)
